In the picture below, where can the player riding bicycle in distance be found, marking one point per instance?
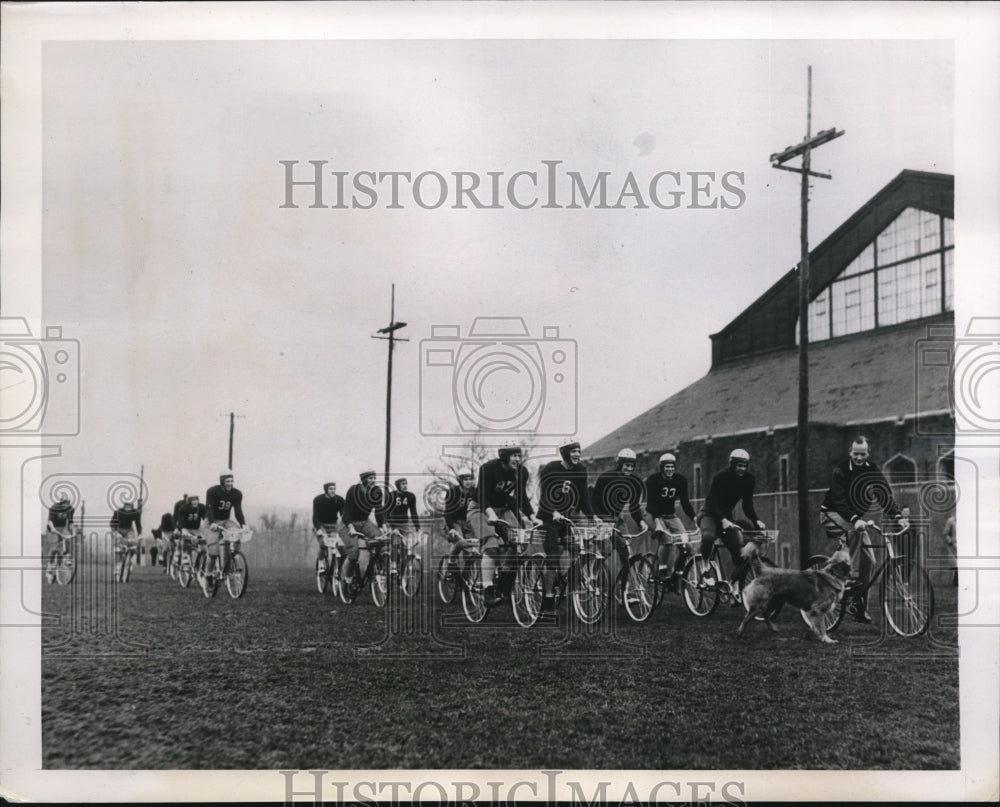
(126, 527)
(456, 519)
(857, 487)
(498, 502)
(364, 515)
(402, 512)
(664, 489)
(326, 510)
(59, 523)
(189, 516)
(615, 494)
(223, 502)
(563, 495)
(730, 487)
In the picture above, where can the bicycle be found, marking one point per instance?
(181, 564)
(452, 574)
(906, 594)
(410, 576)
(638, 595)
(62, 566)
(522, 585)
(235, 572)
(702, 598)
(329, 564)
(375, 574)
(587, 577)
(126, 550)
(661, 584)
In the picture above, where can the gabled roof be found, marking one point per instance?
(769, 322)
(867, 376)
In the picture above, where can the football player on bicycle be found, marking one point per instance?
(664, 489)
(617, 492)
(735, 485)
(498, 502)
(326, 510)
(563, 495)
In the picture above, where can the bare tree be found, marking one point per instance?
(474, 452)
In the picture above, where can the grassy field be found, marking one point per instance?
(153, 676)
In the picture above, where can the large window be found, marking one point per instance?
(907, 273)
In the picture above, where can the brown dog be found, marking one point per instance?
(816, 592)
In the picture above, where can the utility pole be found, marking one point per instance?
(390, 334)
(778, 160)
(232, 428)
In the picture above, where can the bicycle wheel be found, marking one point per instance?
(322, 576)
(127, 561)
(349, 593)
(834, 617)
(413, 574)
(62, 568)
(237, 575)
(907, 597)
(473, 601)
(184, 571)
(208, 581)
(700, 599)
(526, 598)
(640, 589)
(380, 581)
(447, 582)
(590, 588)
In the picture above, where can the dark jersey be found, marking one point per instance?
(563, 489)
(727, 489)
(361, 503)
(166, 522)
(855, 490)
(327, 509)
(124, 519)
(403, 505)
(222, 504)
(502, 487)
(178, 505)
(615, 491)
(456, 505)
(663, 493)
(61, 514)
(190, 516)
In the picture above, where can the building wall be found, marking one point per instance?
(828, 444)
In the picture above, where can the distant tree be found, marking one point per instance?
(473, 453)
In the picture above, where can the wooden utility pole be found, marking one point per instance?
(232, 428)
(390, 334)
(778, 160)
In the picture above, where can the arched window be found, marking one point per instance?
(900, 469)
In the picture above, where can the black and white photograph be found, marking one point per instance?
(479, 402)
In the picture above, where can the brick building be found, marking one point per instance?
(881, 296)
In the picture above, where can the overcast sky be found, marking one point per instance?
(167, 252)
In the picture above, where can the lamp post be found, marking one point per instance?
(778, 160)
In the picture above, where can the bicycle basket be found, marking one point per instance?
(761, 536)
(241, 535)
